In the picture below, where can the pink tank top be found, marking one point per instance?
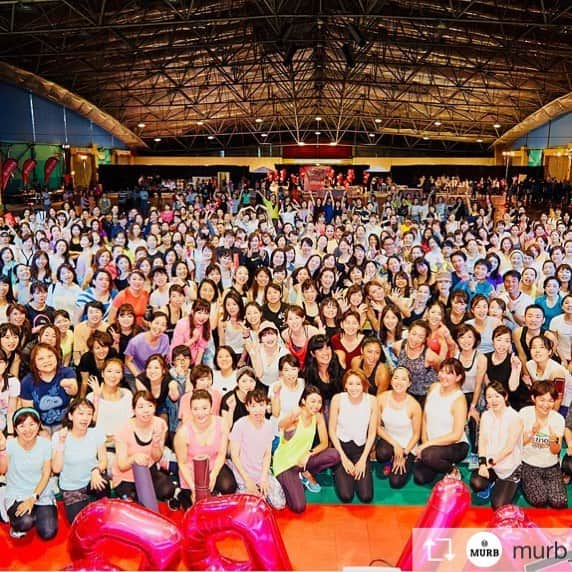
(196, 449)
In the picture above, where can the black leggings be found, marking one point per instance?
(345, 484)
(567, 465)
(384, 454)
(164, 487)
(472, 424)
(45, 517)
(502, 493)
(438, 459)
(225, 484)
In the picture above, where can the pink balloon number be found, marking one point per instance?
(446, 507)
(247, 516)
(154, 535)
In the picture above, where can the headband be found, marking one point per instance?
(23, 410)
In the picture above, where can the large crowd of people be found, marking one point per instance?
(281, 336)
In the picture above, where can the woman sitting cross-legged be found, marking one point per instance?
(443, 437)
(26, 463)
(500, 449)
(296, 451)
(353, 427)
(400, 428)
(251, 451)
(80, 458)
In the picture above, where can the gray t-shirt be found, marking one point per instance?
(25, 471)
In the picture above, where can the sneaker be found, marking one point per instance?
(486, 494)
(14, 534)
(312, 487)
(473, 461)
(387, 469)
(174, 504)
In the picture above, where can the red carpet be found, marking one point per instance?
(325, 537)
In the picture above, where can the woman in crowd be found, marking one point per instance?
(322, 369)
(561, 327)
(124, 328)
(348, 342)
(80, 459)
(194, 330)
(483, 323)
(145, 344)
(551, 300)
(48, 387)
(506, 367)
(175, 309)
(390, 332)
(231, 328)
(64, 292)
(112, 403)
(421, 362)
(203, 434)
(353, 428)
(500, 449)
(543, 430)
(9, 395)
(135, 295)
(26, 462)
(543, 367)
(251, 452)
(233, 403)
(475, 366)
(224, 375)
(373, 363)
(399, 430)
(9, 344)
(100, 290)
(100, 349)
(141, 442)
(297, 334)
(303, 448)
(264, 356)
(443, 441)
(157, 380)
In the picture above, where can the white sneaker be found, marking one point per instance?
(14, 534)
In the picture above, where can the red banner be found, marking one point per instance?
(314, 177)
(27, 168)
(8, 168)
(49, 167)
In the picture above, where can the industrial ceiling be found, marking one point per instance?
(193, 76)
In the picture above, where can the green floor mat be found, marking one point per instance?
(411, 494)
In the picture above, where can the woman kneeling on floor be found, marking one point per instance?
(26, 462)
(399, 430)
(353, 427)
(80, 457)
(500, 449)
(444, 443)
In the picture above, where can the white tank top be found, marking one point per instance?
(438, 413)
(470, 374)
(397, 423)
(353, 419)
